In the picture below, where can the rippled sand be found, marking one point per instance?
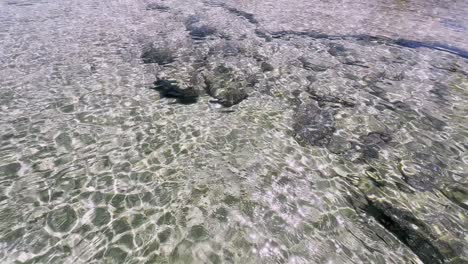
(348, 145)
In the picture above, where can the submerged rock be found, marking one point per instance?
(457, 194)
(158, 55)
(266, 67)
(376, 138)
(155, 6)
(313, 125)
(170, 89)
(367, 105)
(337, 50)
(201, 32)
(185, 86)
(62, 219)
(339, 145)
(422, 170)
(248, 16)
(370, 145)
(197, 30)
(408, 229)
(227, 85)
(324, 99)
(315, 65)
(421, 234)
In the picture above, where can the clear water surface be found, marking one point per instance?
(351, 146)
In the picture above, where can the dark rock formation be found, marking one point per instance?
(425, 172)
(323, 99)
(155, 6)
(170, 89)
(314, 65)
(376, 138)
(375, 197)
(433, 122)
(370, 145)
(313, 125)
(158, 55)
(266, 67)
(408, 229)
(227, 85)
(327, 92)
(457, 194)
(185, 86)
(248, 16)
(200, 32)
(337, 50)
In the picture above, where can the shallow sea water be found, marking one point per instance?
(351, 147)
